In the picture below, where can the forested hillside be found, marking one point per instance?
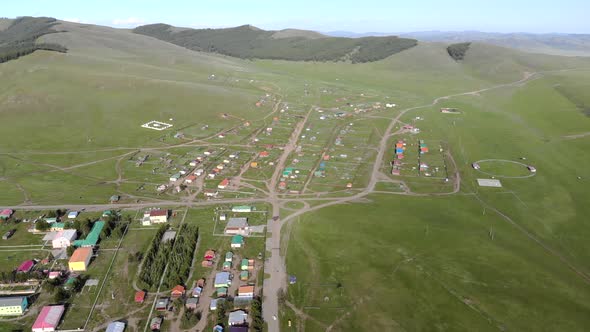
(18, 39)
(458, 51)
(248, 42)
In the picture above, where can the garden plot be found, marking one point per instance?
(340, 163)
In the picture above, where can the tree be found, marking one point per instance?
(42, 225)
(61, 295)
(70, 250)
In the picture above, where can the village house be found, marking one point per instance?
(159, 216)
(209, 255)
(177, 291)
(139, 296)
(242, 209)
(229, 256)
(6, 214)
(48, 318)
(26, 266)
(80, 259)
(238, 317)
(246, 291)
(222, 279)
(13, 305)
(210, 193)
(73, 214)
(175, 177)
(191, 303)
(244, 275)
(263, 154)
(115, 327)
(237, 241)
(237, 226)
(92, 238)
(64, 239)
(162, 304)
(190, 179)
(223, 184)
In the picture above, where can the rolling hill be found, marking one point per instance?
(248, 42)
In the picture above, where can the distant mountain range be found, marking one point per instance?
(551, 43)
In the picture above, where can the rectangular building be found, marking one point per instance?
(64, 239)
(80, 259)
(13, 305)
(237, 226)
(92, 238)
(49, 318)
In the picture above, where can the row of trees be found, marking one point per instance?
(256, 314)
(181, 258)
(155, 259)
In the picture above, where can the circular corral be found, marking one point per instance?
(521, 166)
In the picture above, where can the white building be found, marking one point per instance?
(158, 216)
(237, 226)
(64, 239)
(238, 317)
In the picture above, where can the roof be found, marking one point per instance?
(221, 278)
(116, 327)
(192, 300)
(237, 239)
(11, 301)
(73, 214)
(26, 266)
(246, 289)
(162, 302)
(49, 317)
(92, 237)
(139, 296)
(157, 213)
(6, 212)
(178, 289)
(241, 207)
(244, 262)
(69, 234)
(237, 317)
(237, 222)
(229, 254)
(224, 182)
(81, 254)
(238, 329)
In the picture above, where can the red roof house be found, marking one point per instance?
(263, 154)
(177, 291)
(25, 266)
(139, 297)
(209, 255)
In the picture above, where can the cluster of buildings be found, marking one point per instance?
(400, 148)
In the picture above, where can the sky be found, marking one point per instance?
(537, 16)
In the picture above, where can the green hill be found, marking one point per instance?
(249, 42)
(18, 37)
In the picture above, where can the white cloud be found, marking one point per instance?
(73, 20)
(130, 22)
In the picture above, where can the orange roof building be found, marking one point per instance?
(80, 259)
(177, 291)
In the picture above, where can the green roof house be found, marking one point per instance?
(107, 213)
(229, 256)
(92, 237)
(244, 264)
(237, 241)
(244, 275)
(226, 266)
